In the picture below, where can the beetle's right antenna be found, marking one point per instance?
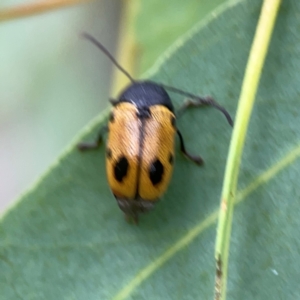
(107, 53)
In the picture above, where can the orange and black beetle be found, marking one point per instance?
(141, 140)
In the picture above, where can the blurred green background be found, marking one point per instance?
(51, 84)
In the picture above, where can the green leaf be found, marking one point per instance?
(160, 23)
(67, 239)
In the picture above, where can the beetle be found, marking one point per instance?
(140, 148)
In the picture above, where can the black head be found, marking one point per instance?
(145, 94)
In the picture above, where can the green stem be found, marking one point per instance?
(249, 88)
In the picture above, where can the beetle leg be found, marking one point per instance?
(196, 159)
(132, 218)
(96, 144)
(113, 102)
(203, 101)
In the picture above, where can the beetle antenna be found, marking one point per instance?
(107, 53)
(201, 100)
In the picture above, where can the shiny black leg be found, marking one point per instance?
(196, 159)
(203, 101)
(94, 145)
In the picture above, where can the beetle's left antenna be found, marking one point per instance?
(107, 53)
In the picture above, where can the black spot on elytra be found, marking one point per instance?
(121, 168)
(156, 172)
(171, 158)
(108, 153)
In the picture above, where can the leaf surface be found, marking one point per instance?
(160, 23)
